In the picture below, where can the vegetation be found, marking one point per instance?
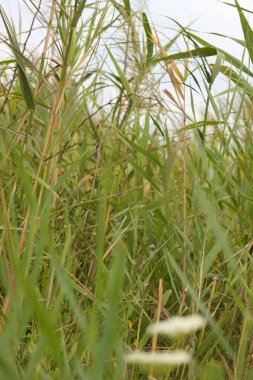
(122, 202)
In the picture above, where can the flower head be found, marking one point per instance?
(162, 358)
(178, 325)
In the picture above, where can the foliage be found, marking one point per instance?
(111, 185)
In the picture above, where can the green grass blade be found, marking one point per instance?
(148, 32)
(195, 53)
(24, 81)
(247, 31)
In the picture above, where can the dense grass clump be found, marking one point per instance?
(122, 201)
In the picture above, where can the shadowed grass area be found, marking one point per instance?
(122, 201)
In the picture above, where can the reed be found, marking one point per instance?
(114, 181)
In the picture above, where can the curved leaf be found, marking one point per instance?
(195, 53)
(148, 32)
(24, 82)
(247, 31)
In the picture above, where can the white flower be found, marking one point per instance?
(178, 325)
(162, 358)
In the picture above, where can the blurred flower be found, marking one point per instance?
(165, 358)
(130, 325)
(178, 325)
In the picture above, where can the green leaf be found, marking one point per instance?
(237, 40)
(138, 148)
(247, 31)
(213, 370)
(78, 14)
(24, 82)
(228, 57)
(143, 173)
(238, 80)
(7, 61)
(211, 257)
(148, 32)
(233, 5)
(199, 124)
(127, 6)
(195, 53)
(217, 66)
(121, 74)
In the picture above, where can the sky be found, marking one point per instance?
(205, 16)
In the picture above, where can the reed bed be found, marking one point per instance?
(123, 202)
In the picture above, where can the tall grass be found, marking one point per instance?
(120, 204)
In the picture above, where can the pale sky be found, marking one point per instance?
(209, 16)
(206, 16)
